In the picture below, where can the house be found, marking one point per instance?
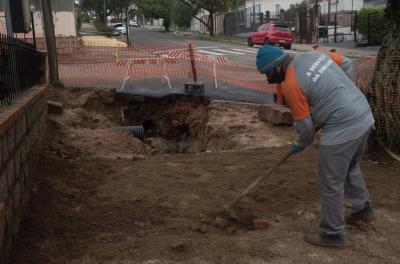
(341, 13)
(197, 26)
(63, 14)
(64, 25)
(375, 3)
(252, 13)
(274, 7)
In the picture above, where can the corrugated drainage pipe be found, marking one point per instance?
(136, 131)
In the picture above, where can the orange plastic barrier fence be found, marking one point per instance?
(94, 64)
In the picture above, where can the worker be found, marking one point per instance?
(344, 63)
(320, 95)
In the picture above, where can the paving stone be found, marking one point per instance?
(275, 114)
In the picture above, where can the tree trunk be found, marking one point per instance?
(50, 40)
(211, 24)
(384, 95)
(167, 24)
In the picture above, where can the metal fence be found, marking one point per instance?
(342, 27)
(243, 20)
(20, 67)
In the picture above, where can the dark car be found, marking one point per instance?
(271, 34)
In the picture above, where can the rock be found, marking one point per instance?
(237, 126)
(55, 108)
(120, 156)
(200, 229)
(181, 246)
(275, 114)
(231, 230)
(221, 222)
(107, 96)
(261, 224)
(85, 98)
(139, 224)
(138, 157)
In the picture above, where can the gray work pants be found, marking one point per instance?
(340, 176)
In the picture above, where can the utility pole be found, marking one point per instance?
(316, 15)
(50, 40)
(335, 28)
(254, 15)
(329, 20)
(127, 26)
(7, 9)
(105, 11)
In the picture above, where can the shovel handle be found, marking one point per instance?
(257, 182)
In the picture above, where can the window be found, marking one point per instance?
(264, 27)
(280, 28)
(277, 9)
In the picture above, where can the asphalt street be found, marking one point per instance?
(233, 53)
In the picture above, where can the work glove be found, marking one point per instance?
(297, 148)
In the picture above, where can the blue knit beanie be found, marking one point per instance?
(269, 57)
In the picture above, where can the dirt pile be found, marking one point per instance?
(91, 209)
(234, 126)
(91, 133)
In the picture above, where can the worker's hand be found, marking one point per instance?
(297, 148)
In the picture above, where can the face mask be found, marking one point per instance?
(277, 76)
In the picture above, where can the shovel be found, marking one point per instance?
(256, 183)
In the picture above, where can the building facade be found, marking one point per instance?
(63, 15)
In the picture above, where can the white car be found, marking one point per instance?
(133, 23)
(119, 29)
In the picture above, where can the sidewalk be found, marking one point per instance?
(102, 41)
(367, 52)
(91, 37)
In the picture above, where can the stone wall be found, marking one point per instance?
(22, 142)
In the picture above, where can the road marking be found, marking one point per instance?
(246, 50)
(211, 53)
(229, 51)
(212, 47)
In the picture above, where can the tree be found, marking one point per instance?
(212, 7)
(371, 23)
(157, 9)
(290, 13)
(112, 7)
(181, 15)
(385, 95)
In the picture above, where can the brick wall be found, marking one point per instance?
(22, 142)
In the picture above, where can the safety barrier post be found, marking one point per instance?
(192, 62)
(195, 87)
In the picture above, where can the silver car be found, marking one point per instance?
(119, 29)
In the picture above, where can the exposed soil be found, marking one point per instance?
(107, 197)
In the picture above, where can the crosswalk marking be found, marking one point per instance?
(209, 47)
(210, 52)
(246, 50)
(229, 51)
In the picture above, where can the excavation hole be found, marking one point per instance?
(168, 123)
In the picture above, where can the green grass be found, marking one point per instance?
(103, 29)
(228, 39)
(57, 83)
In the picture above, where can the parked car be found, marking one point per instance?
(271, 34)
(133, 23)
(118, 29)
